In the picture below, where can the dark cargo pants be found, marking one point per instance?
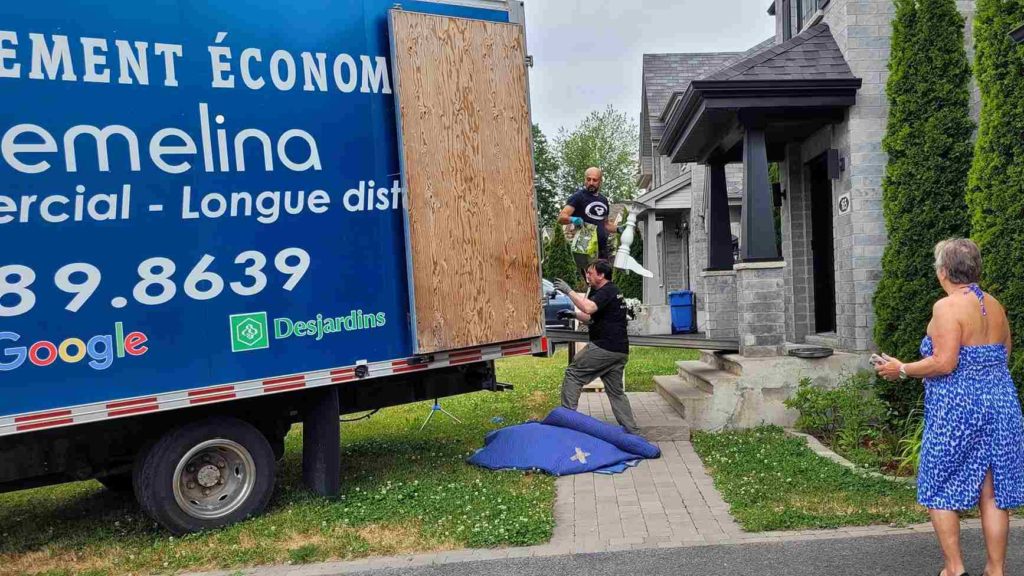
(596, 362)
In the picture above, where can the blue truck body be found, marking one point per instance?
(196, 209)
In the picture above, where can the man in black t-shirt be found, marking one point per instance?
(604, 310)
(588, 205)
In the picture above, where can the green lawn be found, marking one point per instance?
(403, 491)
(774, 482)
(646, 363)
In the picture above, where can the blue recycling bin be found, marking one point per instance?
(683, 320)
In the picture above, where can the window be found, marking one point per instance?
(804, 10)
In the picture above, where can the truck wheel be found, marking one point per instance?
(119, 483)
(205, 475)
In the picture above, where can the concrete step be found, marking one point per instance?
(721, 362)
(828, 340)
(702, 376)
(688, 401)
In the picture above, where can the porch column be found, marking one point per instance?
(757, 222)
(719, 235)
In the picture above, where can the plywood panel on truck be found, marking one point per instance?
(461, 92)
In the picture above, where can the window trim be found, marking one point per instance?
(787, 20)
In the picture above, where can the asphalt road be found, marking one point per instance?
(896, 555)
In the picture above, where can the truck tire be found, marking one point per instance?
(117, 483)
(205, 474)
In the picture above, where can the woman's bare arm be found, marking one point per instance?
(946, 333)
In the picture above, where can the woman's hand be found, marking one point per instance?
(890, 370)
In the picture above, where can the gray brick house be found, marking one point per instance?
(812, 100)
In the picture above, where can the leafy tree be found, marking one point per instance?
(928, 140)
(608, 140)
(545, 179)
(995, 191)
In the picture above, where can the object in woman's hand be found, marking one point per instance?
(877, 360)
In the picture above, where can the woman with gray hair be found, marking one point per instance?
(972, 453)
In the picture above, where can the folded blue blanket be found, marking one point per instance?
(565, 442)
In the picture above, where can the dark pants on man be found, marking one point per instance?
(596, 362)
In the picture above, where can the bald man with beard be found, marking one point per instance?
(588, 205)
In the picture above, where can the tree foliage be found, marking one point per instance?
(545, 179)
(558, 261)
(608, 140)
(631, 284)
(995, 191)
(928, 141)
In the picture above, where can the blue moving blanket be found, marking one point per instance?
(565, 442)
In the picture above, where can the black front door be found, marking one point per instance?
(822, 247)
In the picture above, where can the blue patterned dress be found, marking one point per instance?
(973, 423)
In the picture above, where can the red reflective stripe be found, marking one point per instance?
(214, 390)
(129, 407)
(212, 394)
(205, 399)
(130, 411)
(42, 416)
(343, 375)
(285, 380)
(284, 387)
(50, 424)
(284, 383)
(465, 356)
(516, 350)
(127, 403)
(399, 366)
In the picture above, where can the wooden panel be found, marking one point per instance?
(468, 171)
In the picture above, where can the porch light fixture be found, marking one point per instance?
(680, 229)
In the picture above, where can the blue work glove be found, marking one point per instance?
(576, 221)
(562, 286)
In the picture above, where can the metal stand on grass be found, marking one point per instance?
(437, 408)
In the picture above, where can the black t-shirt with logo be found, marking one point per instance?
(593, 209)
(608, 323)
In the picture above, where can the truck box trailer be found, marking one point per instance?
(219, 219)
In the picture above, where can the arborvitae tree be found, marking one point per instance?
(631, 284)
(996, 188)
(928, 140)
(558, 261)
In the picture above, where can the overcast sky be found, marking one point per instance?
(588, 53)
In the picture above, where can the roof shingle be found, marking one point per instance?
(811, 55)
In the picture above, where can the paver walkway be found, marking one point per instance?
(669, 501)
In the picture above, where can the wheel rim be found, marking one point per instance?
(214, 478)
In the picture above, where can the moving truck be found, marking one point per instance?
(220, 219)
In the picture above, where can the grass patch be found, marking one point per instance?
(647, 362)
(402, 492)
(774, 482)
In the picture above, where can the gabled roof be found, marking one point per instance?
(804, 79)
(811, 55)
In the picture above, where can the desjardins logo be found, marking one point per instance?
(251, 331)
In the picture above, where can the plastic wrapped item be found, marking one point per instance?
(581, 238)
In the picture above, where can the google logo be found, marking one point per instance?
(100, 349)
